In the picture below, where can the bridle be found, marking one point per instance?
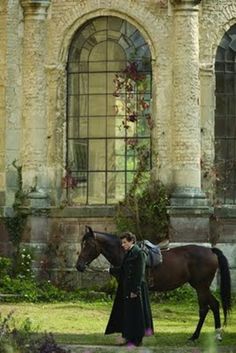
(97, 248)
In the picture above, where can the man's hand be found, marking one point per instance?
(133, 295)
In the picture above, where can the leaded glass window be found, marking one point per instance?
(225, 118)
(100, 110)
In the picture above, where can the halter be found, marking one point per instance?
(98, 250)
(90, 268)
(97, 247)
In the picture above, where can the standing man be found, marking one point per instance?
(131, 312)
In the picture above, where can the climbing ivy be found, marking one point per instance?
(144, 208)
(15, 224)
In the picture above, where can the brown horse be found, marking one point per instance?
(193, 264)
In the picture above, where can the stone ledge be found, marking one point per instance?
(225, 211)
(193, 211)
(67, 212)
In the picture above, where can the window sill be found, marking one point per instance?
(225, 211)
(83, 211)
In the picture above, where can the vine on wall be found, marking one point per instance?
(133, 85)
(213, 178)
(144, 209)
(15, 226)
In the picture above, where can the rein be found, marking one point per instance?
(88, 267)
(94, 244)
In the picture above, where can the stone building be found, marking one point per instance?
(64, 107)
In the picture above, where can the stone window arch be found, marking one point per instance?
(225, 118)
(108, 110)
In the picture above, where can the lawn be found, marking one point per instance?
(84, 323)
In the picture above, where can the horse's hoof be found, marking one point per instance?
(218, 335)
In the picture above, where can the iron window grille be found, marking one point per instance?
(98, 156)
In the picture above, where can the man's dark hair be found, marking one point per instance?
(128, 236)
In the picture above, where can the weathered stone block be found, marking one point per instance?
(189, 229)
(11, 179)
(36, 230)
(67, 229)
(2, 182)
(2, 198)
(38, 199)
(3, 231)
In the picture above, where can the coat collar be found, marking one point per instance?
(132, 253)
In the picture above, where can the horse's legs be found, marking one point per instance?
(203, 301)
(206, 300)
(202, 315)
(215, 307)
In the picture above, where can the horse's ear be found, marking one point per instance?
(89, 229)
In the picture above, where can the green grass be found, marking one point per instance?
(84, 323)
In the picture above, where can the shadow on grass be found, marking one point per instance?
(167, 339)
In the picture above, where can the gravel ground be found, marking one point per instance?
(115, 349)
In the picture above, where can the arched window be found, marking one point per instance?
(225, 118)
(108, 110)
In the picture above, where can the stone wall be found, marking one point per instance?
(3, 67)
(55, 242)
(183, 37)
(13, 55)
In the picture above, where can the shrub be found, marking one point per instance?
(25, 340)
(24, 263)
(144, 212)
(5, 266)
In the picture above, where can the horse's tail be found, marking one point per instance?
(225, 282)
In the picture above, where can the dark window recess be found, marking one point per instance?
(225, 118)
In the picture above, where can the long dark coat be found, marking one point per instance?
(131, 316)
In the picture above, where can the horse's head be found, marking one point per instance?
(89, 250)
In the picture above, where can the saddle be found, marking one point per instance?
(153, 251)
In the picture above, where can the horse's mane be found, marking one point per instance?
(109, 235)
